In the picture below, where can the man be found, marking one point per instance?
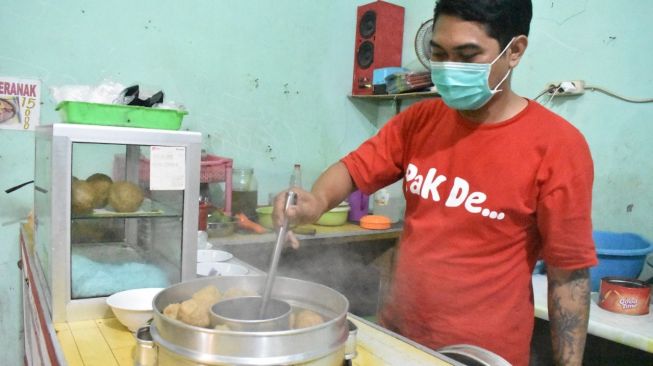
(493, 181)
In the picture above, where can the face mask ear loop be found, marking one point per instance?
(504, 51)
(495, 90)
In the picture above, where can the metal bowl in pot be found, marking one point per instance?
(323, 344)
(242, 314)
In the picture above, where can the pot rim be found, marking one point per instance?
(216, 346)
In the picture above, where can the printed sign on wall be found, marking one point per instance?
(20, 103)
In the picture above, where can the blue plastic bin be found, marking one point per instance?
(620, 254)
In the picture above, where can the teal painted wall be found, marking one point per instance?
(266, 82)
(606, 44)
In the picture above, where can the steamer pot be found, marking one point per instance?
(470, 355)
(177, 343)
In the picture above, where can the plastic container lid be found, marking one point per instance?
(375, 222)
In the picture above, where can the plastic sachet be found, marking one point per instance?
(110, 92)
(106, 92)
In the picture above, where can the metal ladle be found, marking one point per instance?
(291, 199)
(256, 313)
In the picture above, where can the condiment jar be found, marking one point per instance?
(244, 195)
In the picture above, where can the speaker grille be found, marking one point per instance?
(378, 39)
(365, 55)
(367, 26)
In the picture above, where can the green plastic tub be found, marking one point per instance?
(120, 115)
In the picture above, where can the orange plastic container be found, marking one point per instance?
(375, 222)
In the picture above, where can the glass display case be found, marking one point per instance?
(115, 209)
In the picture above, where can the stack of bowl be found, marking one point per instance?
(133, 308)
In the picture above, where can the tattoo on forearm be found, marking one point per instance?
(569, 311)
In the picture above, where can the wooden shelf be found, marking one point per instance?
(396, 98)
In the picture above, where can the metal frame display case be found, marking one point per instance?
(81, 258)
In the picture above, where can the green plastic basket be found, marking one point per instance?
(120, 115)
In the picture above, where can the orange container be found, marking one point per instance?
(624, 295)
(375, 222)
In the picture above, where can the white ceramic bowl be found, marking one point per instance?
(220, 269)
(133, 308)
(213, 255)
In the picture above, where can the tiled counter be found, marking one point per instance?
(105, 342)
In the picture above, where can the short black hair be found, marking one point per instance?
(503, 19)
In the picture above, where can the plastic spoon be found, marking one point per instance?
(291, 199)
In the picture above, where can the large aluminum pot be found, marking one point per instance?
(182, 344)
(471, 355)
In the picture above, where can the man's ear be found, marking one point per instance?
(516, 50)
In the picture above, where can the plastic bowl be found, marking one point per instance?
(335, 217)
(212, 255)
(265, 216)
(133, 308)
(220, 269)
(620, 255)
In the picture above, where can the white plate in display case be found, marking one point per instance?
(220, 269)
(213, 255)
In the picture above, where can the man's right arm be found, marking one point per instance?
(331, 188)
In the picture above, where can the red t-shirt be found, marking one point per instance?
(483, 202)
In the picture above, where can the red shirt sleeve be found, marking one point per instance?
(564, 205)
(377, 162)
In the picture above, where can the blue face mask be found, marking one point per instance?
(465, 86)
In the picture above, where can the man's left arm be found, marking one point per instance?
(568, 303)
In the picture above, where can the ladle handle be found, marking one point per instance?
(291, 199)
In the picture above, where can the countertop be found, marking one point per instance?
(631, 330)
(105, 342)
(333, 234)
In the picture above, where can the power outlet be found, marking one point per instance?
(564, 88)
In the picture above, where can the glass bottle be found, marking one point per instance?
(390, 202)
(296, 177)
(205, 200)
(244, 195)
(204, 206)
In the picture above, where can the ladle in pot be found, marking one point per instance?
(291, 199)
(256, 313)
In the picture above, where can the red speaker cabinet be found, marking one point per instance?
(379, 38)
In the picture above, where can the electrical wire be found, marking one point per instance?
(553, 95)
(626, 99)
(554, 89)
(551, 89)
